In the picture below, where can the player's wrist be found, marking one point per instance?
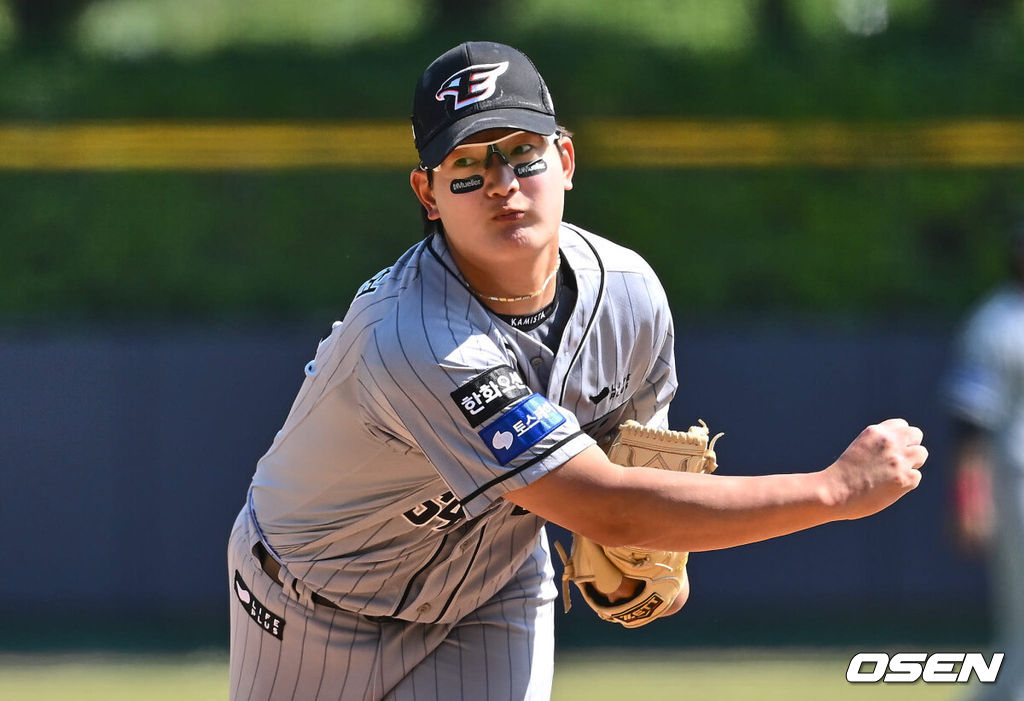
(829, 490)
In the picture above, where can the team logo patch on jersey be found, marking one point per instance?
(373, 283)
(521, 428)
(472, 84)
(267, 620)
(488, 393)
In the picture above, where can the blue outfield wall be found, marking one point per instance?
(126, 454)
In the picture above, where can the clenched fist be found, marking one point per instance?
(880, 466)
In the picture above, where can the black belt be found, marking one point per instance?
(273, 569)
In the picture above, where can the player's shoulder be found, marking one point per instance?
(620, 272)
(376, 297)
(427, 316)
(609, 255)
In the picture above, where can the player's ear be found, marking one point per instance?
(567, 154)
(424, 192)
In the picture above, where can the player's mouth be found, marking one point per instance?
(508, 215)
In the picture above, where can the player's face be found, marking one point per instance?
(500, 193)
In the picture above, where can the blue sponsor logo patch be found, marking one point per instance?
(521, 428)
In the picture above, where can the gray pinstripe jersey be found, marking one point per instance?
(421, 409)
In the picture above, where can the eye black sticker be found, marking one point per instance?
(473, 182)
(536, 167)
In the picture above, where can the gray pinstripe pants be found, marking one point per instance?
(503, 650)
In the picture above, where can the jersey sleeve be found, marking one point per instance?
(464, 404)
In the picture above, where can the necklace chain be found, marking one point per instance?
(520, 298)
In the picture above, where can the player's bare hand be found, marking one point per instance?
(630, 588)
(880, 466)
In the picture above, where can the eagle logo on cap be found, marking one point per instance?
(472, 84)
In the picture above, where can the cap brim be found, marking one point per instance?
(510, 118)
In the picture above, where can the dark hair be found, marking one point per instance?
(430, 225)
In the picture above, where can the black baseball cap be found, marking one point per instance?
(476, 86)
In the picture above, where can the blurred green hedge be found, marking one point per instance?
(815, 242)
(898, 75)
(863, 244)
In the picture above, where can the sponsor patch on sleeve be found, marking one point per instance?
(488, 393)
(521, 428)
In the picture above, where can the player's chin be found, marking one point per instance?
(522, 238)
(528, 232)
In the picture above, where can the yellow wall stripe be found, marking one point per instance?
(205, 146)
(981, 143)
(606, 143)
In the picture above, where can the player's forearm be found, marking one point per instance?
(693, 512)
(667, 510)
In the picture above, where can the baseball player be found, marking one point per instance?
(986, 400)
(391, 543)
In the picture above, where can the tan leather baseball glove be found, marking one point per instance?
(598, 570)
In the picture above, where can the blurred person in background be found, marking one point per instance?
(986, 400)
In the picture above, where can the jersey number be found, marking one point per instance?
(445, 509)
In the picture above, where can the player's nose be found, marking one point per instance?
(500, 179)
